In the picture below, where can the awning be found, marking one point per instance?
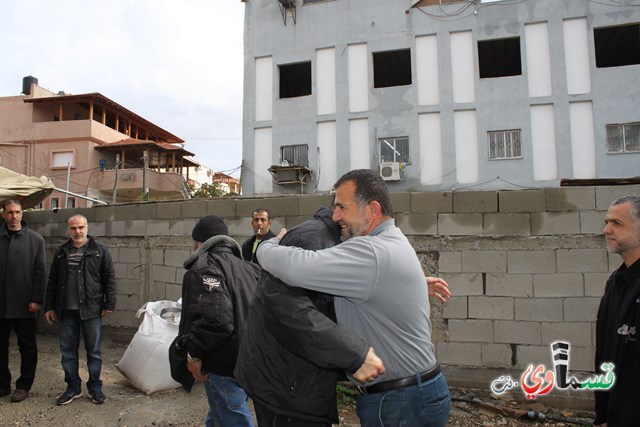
(30, 190)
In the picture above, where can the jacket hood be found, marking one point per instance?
(325, 215)
(211, 242)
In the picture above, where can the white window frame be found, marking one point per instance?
(52, 159)
(399, 154)
(504, 144)
(623, 131)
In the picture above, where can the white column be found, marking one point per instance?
(538, 59)
(543, 143)
(583, 146)
(263, 181)
(326, 81)
(358, 78)
(264, 88)
(360, 153)
(427, 68)
(576, 56)
(430, 149)
(466, 142)
(463, 70)
(327, 168)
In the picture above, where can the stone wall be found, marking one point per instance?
(526, 267)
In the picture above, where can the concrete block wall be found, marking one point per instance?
(526, 267)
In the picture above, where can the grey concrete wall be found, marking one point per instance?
(526, 267)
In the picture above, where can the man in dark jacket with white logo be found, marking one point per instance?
(81, 290)
(216, 291)
(22, 281)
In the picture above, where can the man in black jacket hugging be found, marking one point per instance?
(216, 291)
(292, 348)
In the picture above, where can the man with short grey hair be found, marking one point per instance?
(619, 317)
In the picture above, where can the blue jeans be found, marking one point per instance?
(227, 403)
(424, 404)
(69, 326)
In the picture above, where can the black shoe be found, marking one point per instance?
(19, 395)
(67, 397)
(98, 398)
(5, 392)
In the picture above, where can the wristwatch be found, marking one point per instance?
(192, 359)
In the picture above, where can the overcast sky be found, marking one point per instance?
(177, 63)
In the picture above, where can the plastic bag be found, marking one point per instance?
(145, 362)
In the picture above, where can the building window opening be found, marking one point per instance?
(394, 150)
(504, 144)
(392, 68)
(499, 58)
(295, 79)
(617, 46)
(623, 138)
(71, 202)
(54, 203)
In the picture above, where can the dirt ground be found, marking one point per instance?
(127, 406)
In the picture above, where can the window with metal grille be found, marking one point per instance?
(504, 144)
(295, 155)
(394, 149)
(623, 138)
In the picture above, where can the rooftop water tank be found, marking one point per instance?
(26, 84)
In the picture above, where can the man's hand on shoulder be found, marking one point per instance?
(370, 369)
(281, 234)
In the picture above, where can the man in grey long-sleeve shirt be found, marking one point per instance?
(382, 296)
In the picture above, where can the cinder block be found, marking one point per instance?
(475, 201)
(135, 228)
(490, 308)
(173, 292)
(175, 258)
(224, 208)
(614, 262)
(104, 213)
(96, 229)
(522, 201)
(135, 211)
(551, 223)
(245, 207)
(538, 309)
(158, 227)
(558, 285)
(168, 210)
(582, 260)
(605, 195)
(114, 228)
(127, 287)
(533, 355)
(450, 262)
(417, 224)
(577, 333)
(308, 205)
(460, 224)
(122, 318)
(455, 308)
(480, 261)
(570, 199)
(466, 354)
(158, 291)
(582, 359)
(431, 202)
(129, 255)
(181, 227)
(160, 273)
(531, 261)
(592, 222)
(507, 224)
(194, 208)
(516, 332)
(581, 309)
(401, 202)
(157, 256)
(464, 283)
(509, 285)
(121, 270)
(594, 284)
(281, 206)
(470, 330)
(496, 355)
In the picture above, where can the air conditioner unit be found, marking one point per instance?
(390, 171)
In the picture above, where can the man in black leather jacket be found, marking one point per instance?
(292, 348)
(216, 292)
(81, 290)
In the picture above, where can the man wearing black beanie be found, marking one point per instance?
(216, 291)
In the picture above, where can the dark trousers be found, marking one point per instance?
(25, 330)
(266, 418)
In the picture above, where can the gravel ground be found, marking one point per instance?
(127, 406)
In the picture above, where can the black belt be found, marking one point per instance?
(401, 382)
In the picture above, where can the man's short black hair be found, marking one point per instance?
(8, 202)
(369, 187)
(259, 210)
